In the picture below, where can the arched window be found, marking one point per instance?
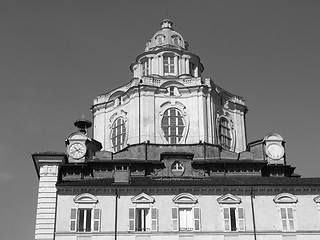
(118, 134)
(224, 133)
(172, 125)
(168, 65)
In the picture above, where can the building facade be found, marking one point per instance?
(169, 159)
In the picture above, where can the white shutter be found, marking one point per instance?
(290, 219)
(241, 221)
(73, 220)
(154, 219)
(96, 220)
(175, 219)
(131, 219)
(196, 217)
(226, 219)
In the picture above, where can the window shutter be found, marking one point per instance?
(131, 219)
(175, 219)
(96, 220)
(196, 217)
(73, 219)
(290, 219)
(154, 219)
(241, 221)
(226, 219)
(283, 213)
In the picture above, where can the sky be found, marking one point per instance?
(56, 56)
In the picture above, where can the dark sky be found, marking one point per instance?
(56, 56)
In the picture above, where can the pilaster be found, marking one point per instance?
(47, 166)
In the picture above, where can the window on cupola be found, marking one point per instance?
(168, 65)
(173, 125)
(118, 134)
(145, 68)
(225, 133)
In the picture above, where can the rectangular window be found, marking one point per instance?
(145, 68)
(185, 219)
(233, 219)
(168, 65)
(85, 220)
(143, 219)
(287, 219)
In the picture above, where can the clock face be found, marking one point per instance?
(275, 151)
(77, 150)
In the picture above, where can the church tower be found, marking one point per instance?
(169, 102)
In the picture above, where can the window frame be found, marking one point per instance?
(118, 140)
(173, 131)
(185, 202)
(225, 135)
(287, 201)
(141, 203)
(85, 203)
(145, 67)
(228, 202)
(168, 65)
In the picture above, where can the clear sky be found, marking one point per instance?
(56, 56)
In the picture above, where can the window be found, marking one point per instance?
(171, 91)
(119, 101)
(85, 218)
(192, 67)
(173, 125)
(232, 215)
(185, 217)
(233, 219)
(118, 134)
(286, 206)
(224, 133)
(177, 166)
(168, 65)
(145, 68)
(143, 217)
(287, 220)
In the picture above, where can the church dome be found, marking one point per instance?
(166, 37)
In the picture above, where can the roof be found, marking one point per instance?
(215, 181)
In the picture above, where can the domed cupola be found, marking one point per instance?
(167, 55)
(166, 37)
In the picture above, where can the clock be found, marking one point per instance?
(77, 150)
(275, 151)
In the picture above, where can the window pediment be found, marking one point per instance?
(142, 198)
(317, 199)
(285, 198)
(185, 198)
(85, 198)
(229, 199)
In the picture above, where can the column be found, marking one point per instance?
(175, 59)
(187, 66)
(161, 65)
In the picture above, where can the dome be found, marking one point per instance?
(166, 37)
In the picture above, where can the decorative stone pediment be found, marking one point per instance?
(185, 198)
(142, 198)
(229, 199)
(85, 198)
(285, 198)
